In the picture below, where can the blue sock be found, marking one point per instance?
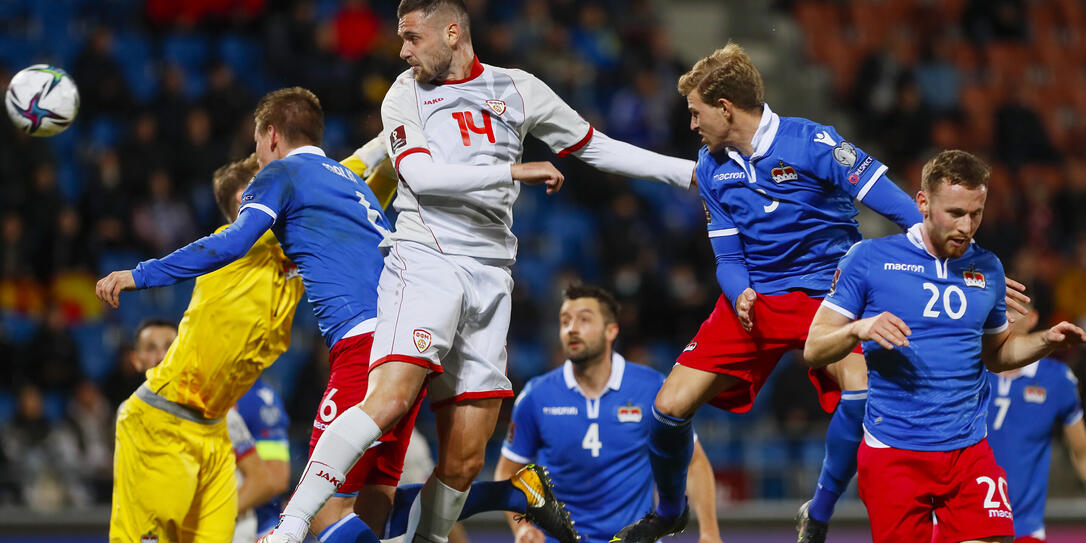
(350, 529)
(483, 496)
(842, 441)
(671, 444)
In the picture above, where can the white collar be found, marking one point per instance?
(618, 367)
(311, 149)
(763, 136)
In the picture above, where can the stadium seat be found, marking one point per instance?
(95, 358)
(132, 51)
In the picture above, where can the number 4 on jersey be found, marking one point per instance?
(467, 125)
(591, 439)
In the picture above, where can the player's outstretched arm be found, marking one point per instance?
(833, 335)
(197, 258)
(523, 531)
(1075, 435)
(1016, 299)
(1007, 351)
(618, 157)
(701, 490)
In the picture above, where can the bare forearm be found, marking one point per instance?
(828, 343)
(701, 490)
(1017, 351)
(253, 492)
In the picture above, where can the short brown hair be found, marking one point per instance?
(228, 180)
(608, 305)
(430, 7)
(954, 167)
(294, 112)
(728, 73)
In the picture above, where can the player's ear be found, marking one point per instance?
(922, 203)
(611, 331)
(452, 33)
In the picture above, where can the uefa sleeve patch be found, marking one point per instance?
(398, 138)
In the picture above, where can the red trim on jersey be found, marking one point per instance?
(238, 457)
(577, 146)
(472, 396)
(408, 359)
(410, 151)
(476, 71)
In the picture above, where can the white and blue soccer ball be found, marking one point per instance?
(42, 100)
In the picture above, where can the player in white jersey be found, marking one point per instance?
(455, 129)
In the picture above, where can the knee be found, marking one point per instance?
(672, 404)
(459, 472)
(388, 407)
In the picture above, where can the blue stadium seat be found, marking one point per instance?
(337, 136)
(243, 55)
(19, 329)
(104, 131)
(7, 406)
(132, 51)
(16, 53)
(191, 53)
(527, 359)
(54, 405)
(95, 359)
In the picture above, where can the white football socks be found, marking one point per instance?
(336, 452)
(435, 511)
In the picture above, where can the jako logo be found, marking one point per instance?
(328, 477)
(894, 266)
(729, 175)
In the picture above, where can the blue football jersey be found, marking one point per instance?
(931, 395)
(791, 202)
(264, 414)
(1023, 411)
(596, 450)
(330, 224)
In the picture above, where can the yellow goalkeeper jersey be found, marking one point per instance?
(237, 323)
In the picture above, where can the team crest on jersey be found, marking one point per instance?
(845, 154)
(690, 346)
(973, 278)
(629, 413)
(783, 172)
(148, 538)
(1035, 394)
(398, 138)
(497, 106)
(422, 338)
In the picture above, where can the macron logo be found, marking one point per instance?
(894, 266)
(563, 410)
(824, 137)
(729, 175)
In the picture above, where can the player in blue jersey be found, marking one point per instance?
(262, 410)
(588, 422)
(929, 308)
(779, 194)
(1026, 404)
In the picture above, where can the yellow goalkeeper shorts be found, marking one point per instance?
(173, 478)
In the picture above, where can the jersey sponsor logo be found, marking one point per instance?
(845, 154)
(833, 284)
(497, 106)
(629, 413)
(1035, 394)
(999, 513)
(397, 138)
(854, 177)
(690, 346)
(248, 197)
(149, 538)
(560, 410)
(432, 101)
(422, 339)
(973, 278)
(729, 175)
(895, 266)
(783, 172)
(824, 137)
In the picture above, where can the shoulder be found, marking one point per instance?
(637, 373)
(1057, 371)
(402, 90)
(545, 383)
(516, 74)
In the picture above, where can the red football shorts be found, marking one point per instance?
(382, 464)
(964, 488)
(781, 324)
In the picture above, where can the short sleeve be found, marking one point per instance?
(996, 321)
(402, 125)
(522, 441)
(848, 292)
(270, 191)
(1070, 406)
(548, 117)
(240, 437)
(717, 220)
(848, 167)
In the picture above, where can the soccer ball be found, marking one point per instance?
(42, 100)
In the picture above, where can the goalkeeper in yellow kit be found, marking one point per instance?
(174, 465)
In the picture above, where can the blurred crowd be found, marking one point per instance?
(168, 88)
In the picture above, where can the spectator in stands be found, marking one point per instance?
(52, 357)
(163, 221)
(1020, 136)
(102, 87)
(83, 441)
(30, 454)
(995, 20)
(937, 79)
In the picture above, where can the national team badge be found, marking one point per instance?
(1035, 394)
(783, 172)
(973, 278)
(398, 138)
(845, 154)
(690, 346)
(497, 106)
(422, 339)
(629, 413)
(148, 538)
